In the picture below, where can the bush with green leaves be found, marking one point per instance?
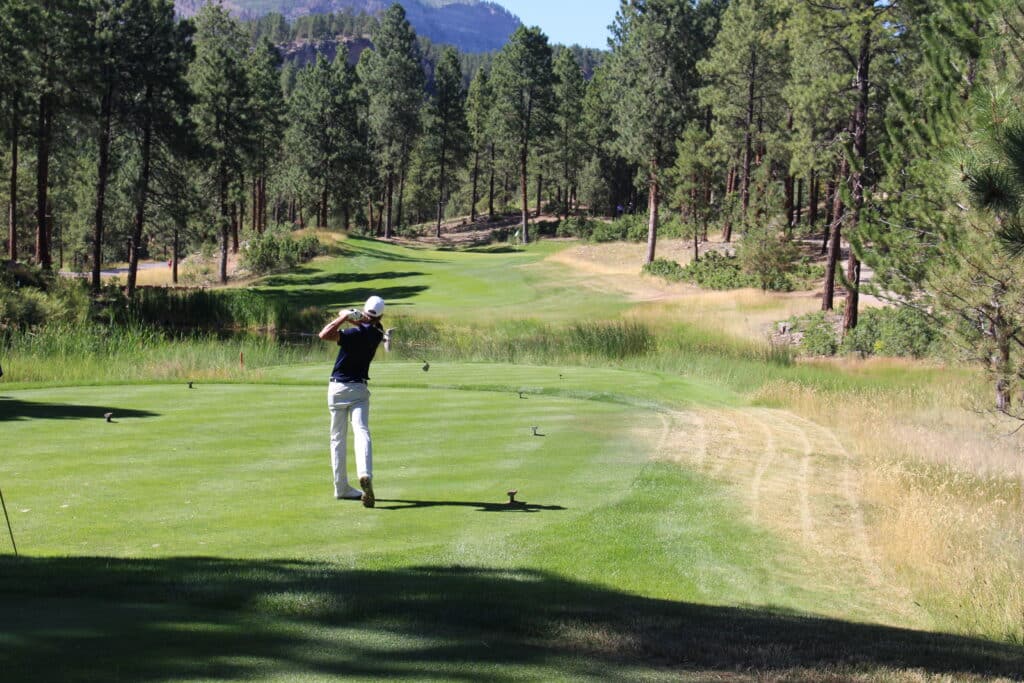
(897, 331)
(718, 271)
(820, 337)
(666, 269)
(576, 226)
(278, 250)
(767, 257)
(30, 299)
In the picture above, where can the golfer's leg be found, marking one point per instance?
(339, 425)
(361, 436)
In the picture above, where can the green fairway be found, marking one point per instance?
(497, 284)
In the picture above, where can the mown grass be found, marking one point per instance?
(930, 467)
(615, 568)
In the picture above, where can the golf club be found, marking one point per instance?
(9, 530)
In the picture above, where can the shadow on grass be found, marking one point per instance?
(139, 620)
(14, 409)
(362, 246)
(517, 506)
(318, 278)
(355, 297)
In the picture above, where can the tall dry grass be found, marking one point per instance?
(945, 486)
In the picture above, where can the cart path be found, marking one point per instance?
(793, 476)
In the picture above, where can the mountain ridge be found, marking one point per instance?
(470, 25)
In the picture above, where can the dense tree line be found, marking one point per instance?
(889, 132)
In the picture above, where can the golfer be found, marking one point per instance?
(348, 396)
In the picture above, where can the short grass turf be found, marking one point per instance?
(195, 537)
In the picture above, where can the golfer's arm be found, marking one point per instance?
(330, 332)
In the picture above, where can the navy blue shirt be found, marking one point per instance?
(358, 346)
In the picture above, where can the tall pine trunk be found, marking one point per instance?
(43, 181)
(523, 156)
(860, 148)
(834, 243)
(490, 192)
(389, 193)
(143, 194)
(652, 213)
(440, 189)
(12, 216)
(540, 192)
(179, 227)
(812, 203)
(225, 219)
(748, 142)
(400, 218)
(798, 206)
(787, 208)
(476, 178)
(102, 175)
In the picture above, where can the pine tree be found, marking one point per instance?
(222, 113)
(523, 81)
(269, 110)
(849, 42)
(393, 77)
(158, 112)
(323, 138)
(656, 45)
(59, 67)
(745, 71)
(570, 90)
(479, 113)
(447, 131)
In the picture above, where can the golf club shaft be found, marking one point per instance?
(9, 530)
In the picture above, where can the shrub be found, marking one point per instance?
(32, 298)
(716, 271)
(275, 250)
(576, 226)
(900, 331)
(665, 269)
(819, 335)
(767, 258)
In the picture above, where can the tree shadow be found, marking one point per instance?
(317, 278)
(355, 296)
(517, 506)
(15, 409)
(362, 246)
(103, 618)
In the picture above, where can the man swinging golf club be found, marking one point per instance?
(348, 396)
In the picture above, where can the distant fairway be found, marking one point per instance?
(669, 529)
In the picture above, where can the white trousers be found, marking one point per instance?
(349, 402)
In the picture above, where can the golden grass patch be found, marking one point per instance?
(945, 489)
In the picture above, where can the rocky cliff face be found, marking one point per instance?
(470, 25)
(304, 52)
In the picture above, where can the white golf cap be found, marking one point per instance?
(374, 307)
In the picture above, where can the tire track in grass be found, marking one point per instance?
(735, 441)
(804, 491)
(850, 489)
(767, 455)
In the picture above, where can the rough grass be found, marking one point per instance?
(946, 485)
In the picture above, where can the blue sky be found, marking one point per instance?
(567, 21)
